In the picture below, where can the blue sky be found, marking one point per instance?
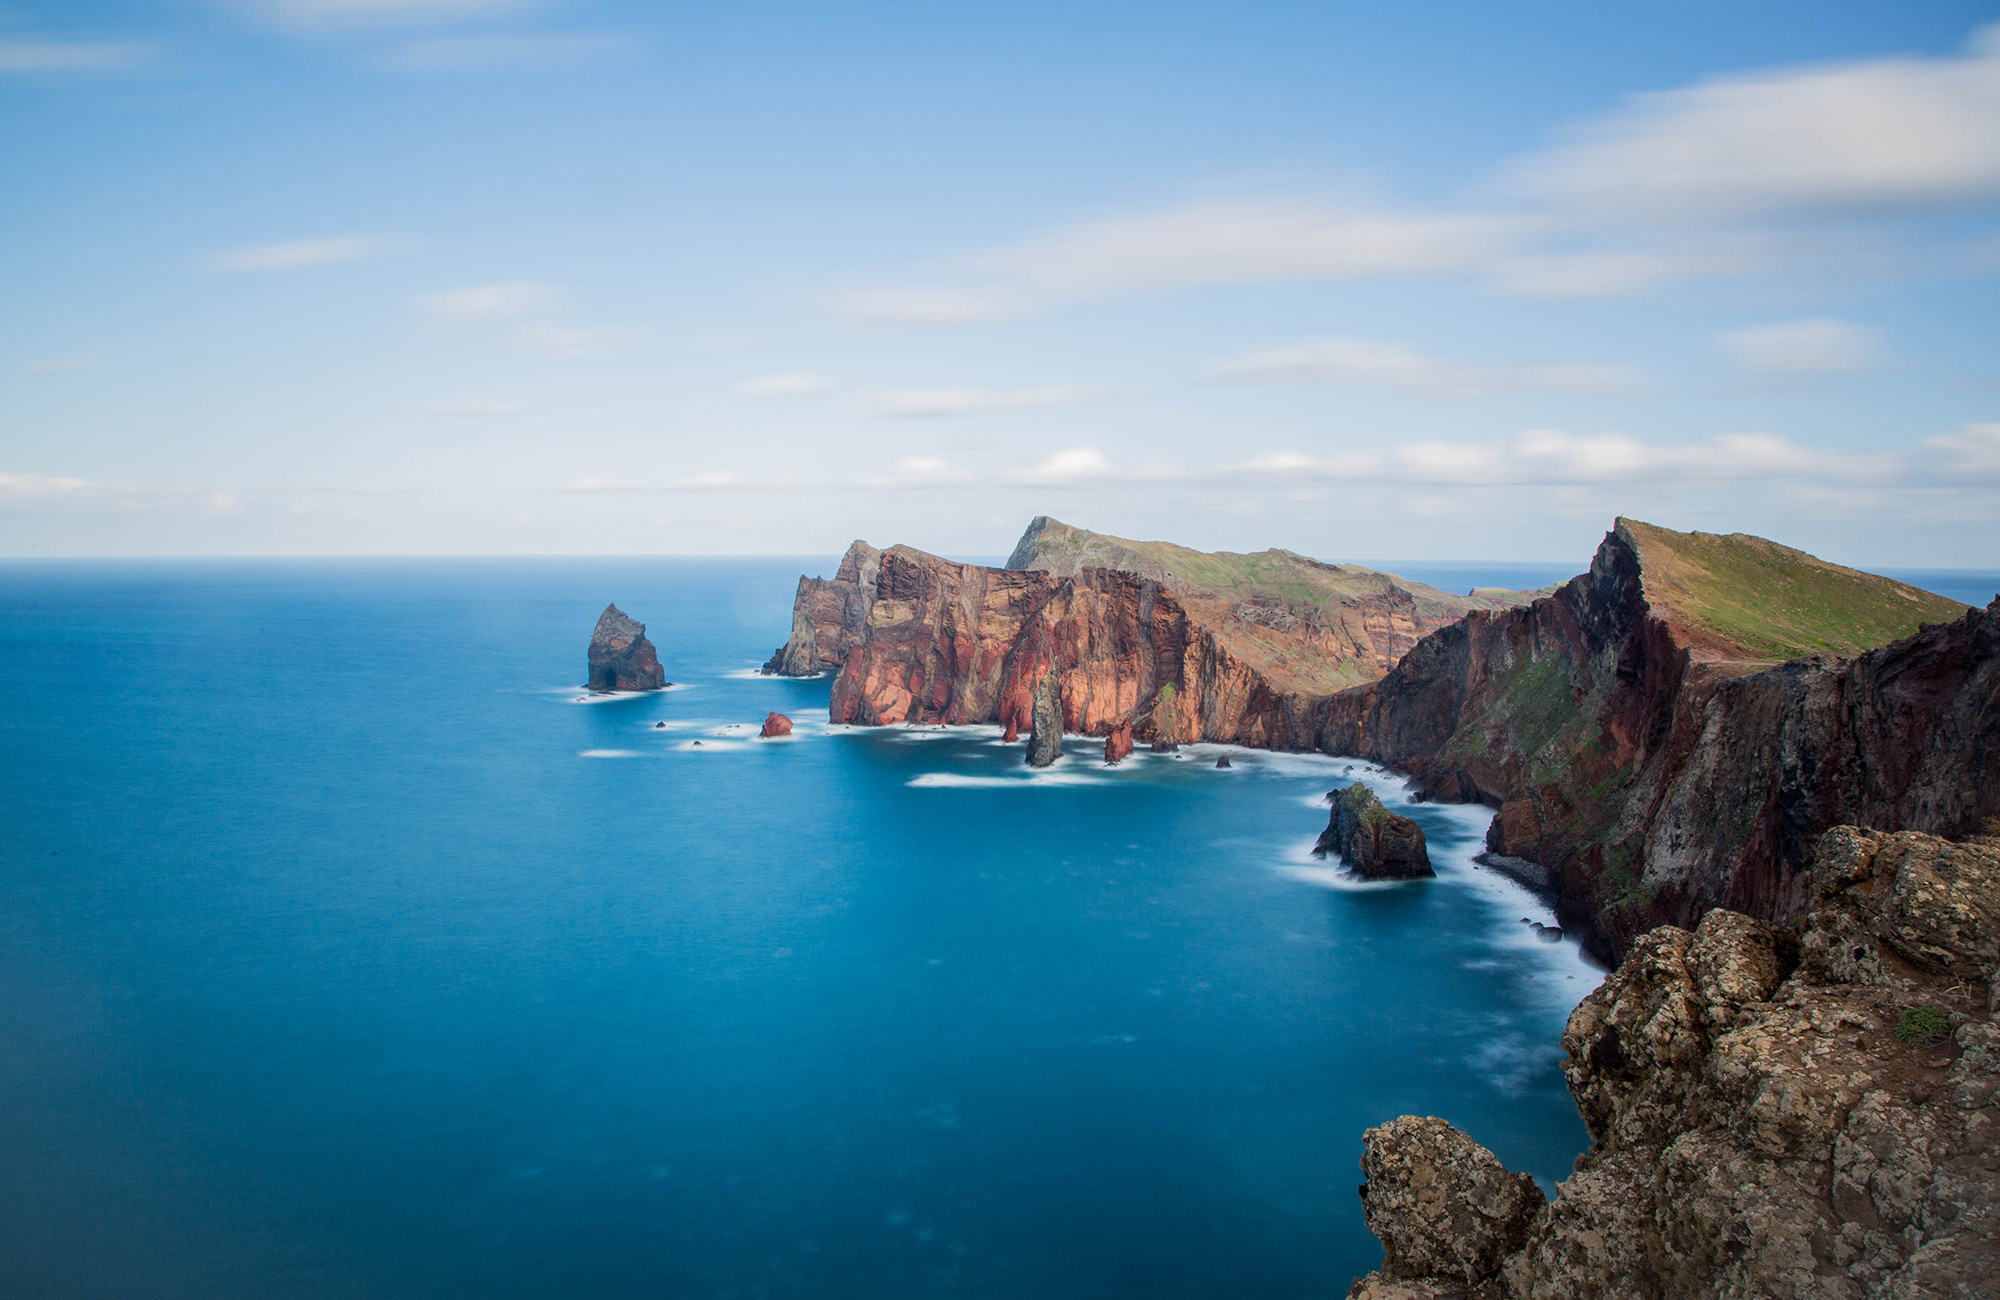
(1428, 281)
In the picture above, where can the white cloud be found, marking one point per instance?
(348, 13)
(788, 383)
(591, 484)
(487, 303)
(1817, 344)
(937, 402)
(470, 406)
(29, 56)
(567, 342)
(1394, 365)
(1972, 450)
(41, 487)
(1245, 242)
(294, 254)
(922, 471)
(1075, 465)
(1874, 134)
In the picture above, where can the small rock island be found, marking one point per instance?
(621, 658)
(1375, 843)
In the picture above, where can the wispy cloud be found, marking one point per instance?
(1972, 450)
(567, 342)
(920, 472)
(1817, 344)
(1074, 465)
(362, 13)
(480, 304)
(56, 366)
(1344, 360)
(787, 383)
(918, 403)
(27, 56)
(42, 487)
(1869, 135)
(294, 254)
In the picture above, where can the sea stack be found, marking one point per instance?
(1375, 843)
(1118, 745)
(1045, 731)
(776, 724)
(621, 658)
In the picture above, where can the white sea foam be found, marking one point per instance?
(1027, 780)
(759, 675)
(713, 746)
(607, 753)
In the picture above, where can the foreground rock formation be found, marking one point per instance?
(1646, 750)
(1373, 842)
(775, 724)
(1184, 647)
(1810, 1114)
(620, 656)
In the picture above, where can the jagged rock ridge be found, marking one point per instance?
(1758, 1130)
(620, 656)
(1641, 747)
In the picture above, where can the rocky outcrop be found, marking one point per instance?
(1443, 1206)
(620, 656)
(1046, 725)
(776, 724)
(1373, 842)
(1118, 745)
(1810, 1114)
(828, 616)
(1642, 749)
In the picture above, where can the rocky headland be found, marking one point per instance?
(620, 656)
(1372, 842)
(1808, 1113)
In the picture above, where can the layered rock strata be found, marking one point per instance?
(1810, 1114)
(828, 616)
(1642, 749)
(620, 656)
(1371, 841)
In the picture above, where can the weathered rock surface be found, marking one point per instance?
(1118, 745)
(1373, 842)
(776, 724)
(1444, 1206)
(1643, 749)
(1045, 736)
(828, 616)
(620, 656)
(1763, 1133)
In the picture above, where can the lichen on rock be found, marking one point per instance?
(1373, 842)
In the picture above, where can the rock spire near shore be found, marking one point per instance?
(1374, 843)
(1811, 1115)
(620, 656)
(1045, 736)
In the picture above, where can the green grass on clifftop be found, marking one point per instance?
(1771, 602)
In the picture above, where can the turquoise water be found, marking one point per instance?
(345, 952)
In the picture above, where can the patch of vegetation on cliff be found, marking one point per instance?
(1771, 602)
(1533, 705)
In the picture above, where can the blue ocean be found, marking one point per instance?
(349, 949)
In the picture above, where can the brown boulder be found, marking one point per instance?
(776, 724)
(1375, 843)
(1118, 745)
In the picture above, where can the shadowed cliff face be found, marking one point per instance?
(1638, 743)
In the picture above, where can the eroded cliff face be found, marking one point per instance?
(1805, 1115)
(1637, 748)
(828, 615)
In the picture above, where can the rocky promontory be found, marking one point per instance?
(1805, 1114)
(620, 656)
(1374, 843)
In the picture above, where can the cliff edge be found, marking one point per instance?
(1808, 1115)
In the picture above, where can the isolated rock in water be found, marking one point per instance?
(1118, 745)
(621, 658)
(1375, 843)
(659, 726)
(1444, 1206)
(1013, 732)
(776, 724)
(1222, 761)
(1045, 739)
(1759, 1133)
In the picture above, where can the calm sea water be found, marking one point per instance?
(344, 952)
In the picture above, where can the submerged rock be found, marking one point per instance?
(1118, 745)
(1045, 739)
(1758, 1131)
(1375, 843)
(776, 724)
(621, 658)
